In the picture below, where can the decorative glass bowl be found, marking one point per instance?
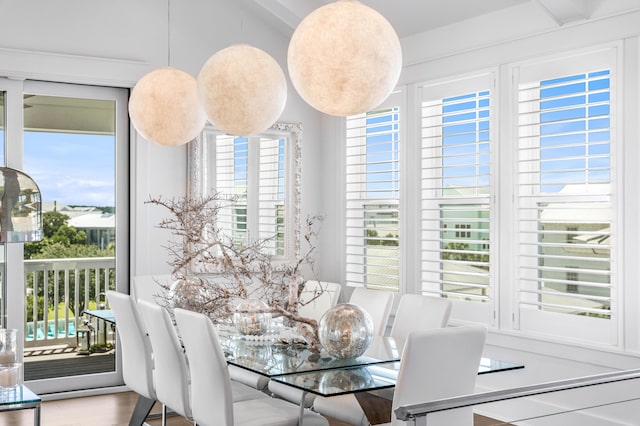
(345, 331)
(252, 317)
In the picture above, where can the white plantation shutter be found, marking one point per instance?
(372, 195)
(271, 193)
(456, 135)
(232, 162)
(253, 170)
(564, 199)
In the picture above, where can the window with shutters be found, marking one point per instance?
(565, 211)
(372, 197)
(456, 144)
(252, 170)
(517, 202)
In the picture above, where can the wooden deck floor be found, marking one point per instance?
(112, 410)
(48, 363)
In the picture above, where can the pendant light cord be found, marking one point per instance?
(168, 33)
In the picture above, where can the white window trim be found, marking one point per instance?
(395, 99)
(512, 319)
(462, 312)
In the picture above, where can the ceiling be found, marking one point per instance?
(410, 17)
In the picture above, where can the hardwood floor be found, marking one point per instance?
(112, 410)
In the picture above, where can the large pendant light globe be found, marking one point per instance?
(242, 89)
(164, 107)
(344, 58)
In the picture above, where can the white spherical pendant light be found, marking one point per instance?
(164, 107)
(242, 90)
(344, 58)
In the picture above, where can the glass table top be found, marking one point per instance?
(278, 357)
(18, 395)
(104, 314)
(367, 377)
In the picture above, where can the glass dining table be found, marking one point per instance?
(284, 357)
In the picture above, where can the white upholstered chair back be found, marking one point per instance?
(137, 363)
(419, 312)
(440, 363)
(212, 400)
(377, 303)
(171, 372)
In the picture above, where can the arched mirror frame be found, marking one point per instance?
(200, 170)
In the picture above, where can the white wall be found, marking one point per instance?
(114, 44)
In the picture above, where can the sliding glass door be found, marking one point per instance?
(73, 142)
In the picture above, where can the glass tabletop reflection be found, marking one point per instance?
(279, 356)
(368, 377)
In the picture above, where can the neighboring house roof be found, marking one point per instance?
(572, 212)
(587, 212)
(94, 220)
(68, 210)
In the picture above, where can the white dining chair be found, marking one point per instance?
(419, 312)
(316, 298)
(171, 373)
(212, 400)
(415, 312)
(377, 303)
(436, 364)
(173, 357)
(135, 349)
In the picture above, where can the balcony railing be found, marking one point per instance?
(58, 291)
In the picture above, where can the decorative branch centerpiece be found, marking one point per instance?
(214, 273)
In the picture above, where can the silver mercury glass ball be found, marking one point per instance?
(252, 317)
(345, 331)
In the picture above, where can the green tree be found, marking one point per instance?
(451, 251)
(68, 235)
(59, 250)
(371, 238)
(56, 231)
(52, 221)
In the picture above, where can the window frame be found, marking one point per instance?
(502, 319)
(587, 331)
(352, 276)
(430, 170)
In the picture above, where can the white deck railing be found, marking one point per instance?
(58, 291)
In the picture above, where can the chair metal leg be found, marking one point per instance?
(141, 411)
(164, 415)
(301, 415)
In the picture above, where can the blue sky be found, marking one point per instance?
(72, 169)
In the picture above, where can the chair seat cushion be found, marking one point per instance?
(242, 392)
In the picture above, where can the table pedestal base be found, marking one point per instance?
(376, 408)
